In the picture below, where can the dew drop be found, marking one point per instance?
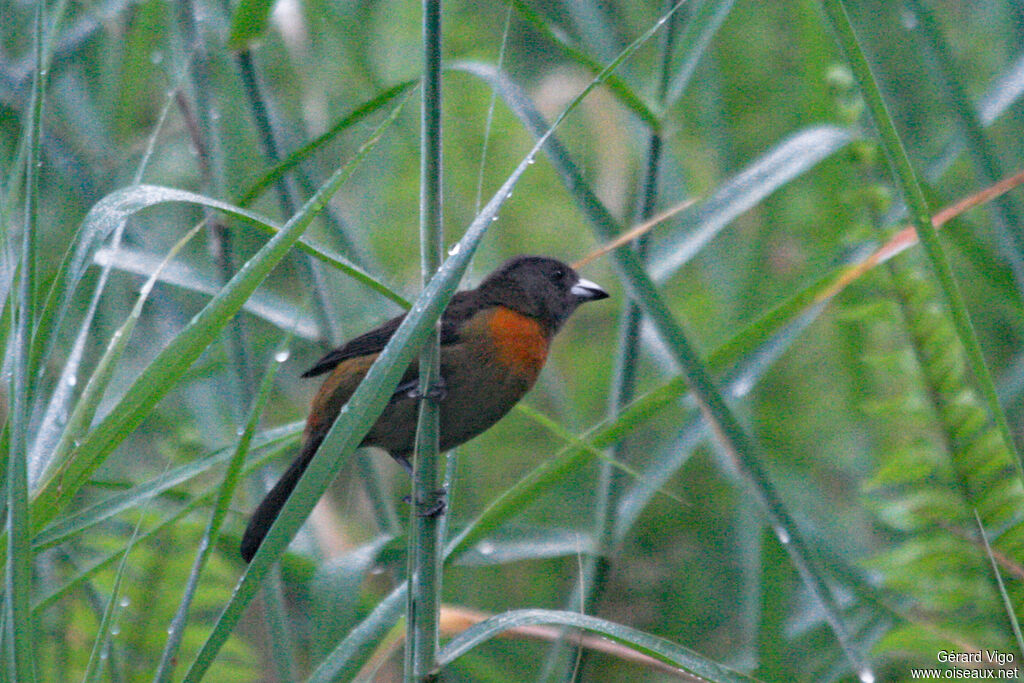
(455, 249)
(908, 19)
(72, 380)
(783, 535)
(156, 56)
(743, 387)
(282, 356)
(115, 630)
(486, 548)
(125, 601)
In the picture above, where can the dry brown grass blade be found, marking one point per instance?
(907, 237)
(455, 620)
(632, 234)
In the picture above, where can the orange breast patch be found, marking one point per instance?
(520, 341)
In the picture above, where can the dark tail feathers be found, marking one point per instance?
(270, 506)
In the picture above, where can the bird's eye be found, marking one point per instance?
(559, 274)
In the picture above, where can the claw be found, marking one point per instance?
(434, 506)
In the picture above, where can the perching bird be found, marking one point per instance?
(494, 341)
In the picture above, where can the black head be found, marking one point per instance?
(540, 287)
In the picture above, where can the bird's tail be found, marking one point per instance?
(270, 506)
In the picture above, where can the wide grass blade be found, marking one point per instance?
(164, 371)
(921, 218)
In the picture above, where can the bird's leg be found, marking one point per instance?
(434, 506)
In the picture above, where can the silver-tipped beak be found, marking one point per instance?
(588, 291)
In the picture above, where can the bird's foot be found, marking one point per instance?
(434, 505)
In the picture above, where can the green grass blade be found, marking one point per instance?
(55, 593)
(163, 372)
(71, 526)
(732, 436)
(176, 631)
(700, 28)
(265, 305)
(17, 638)
(629, 99)
(921, 217)
(368, 108)
(772, 170)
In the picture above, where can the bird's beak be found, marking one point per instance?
(585, 290)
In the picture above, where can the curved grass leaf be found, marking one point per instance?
(85, 409)
(46, 444)
(645, 643)
(65, 528)
(775, 168)
(164, 371)
(270, 307)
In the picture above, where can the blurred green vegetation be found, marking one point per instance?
(871, 431)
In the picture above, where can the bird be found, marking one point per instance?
(494, 342)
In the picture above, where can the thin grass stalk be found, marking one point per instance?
(176, 630)
(1004, 211)
(204, 140)
(921, 217)
(330, 327)
(286, 194)
(239, 347)
(18, 633)
(593, 578)
(423, 608)
(730, 435)
(341, 659)
(1011, 615)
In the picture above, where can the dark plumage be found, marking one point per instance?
(494, 341)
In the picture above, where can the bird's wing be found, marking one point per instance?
(459, 310)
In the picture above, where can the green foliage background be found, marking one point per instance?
(872, 429)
